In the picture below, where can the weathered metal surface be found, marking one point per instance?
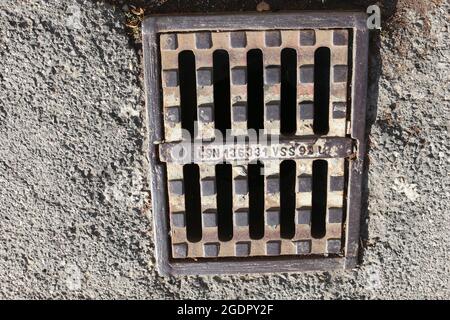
(271, 43)
(216, 152)
(271, 244)
(343, 147)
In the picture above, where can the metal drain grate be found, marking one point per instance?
(292, 203)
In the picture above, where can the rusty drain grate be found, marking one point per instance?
(290, 203)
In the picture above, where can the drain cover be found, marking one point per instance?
(256, 127)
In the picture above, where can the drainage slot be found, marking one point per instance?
(255, 89)
(319, 198)
(221, 80)
(321, 90)
(288, 91)
(256, 200)
(287, 198)
(224, 201)
(188, 92)
(191, 177)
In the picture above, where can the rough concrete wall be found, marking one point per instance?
(74, 215)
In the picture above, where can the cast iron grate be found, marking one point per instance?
(298, 76)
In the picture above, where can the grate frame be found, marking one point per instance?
(156, 24)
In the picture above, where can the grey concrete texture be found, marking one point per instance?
(75, 219)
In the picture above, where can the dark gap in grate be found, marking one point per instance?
(224, 201)
(188, 92)
(319, 198)
(191, 182)
(256, 200)
(221, 74)
(350, 75)
(255, 89)
(321, 90)
(288, 91)
(344, 207)
(287, 198)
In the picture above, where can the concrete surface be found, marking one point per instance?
(74, 214)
